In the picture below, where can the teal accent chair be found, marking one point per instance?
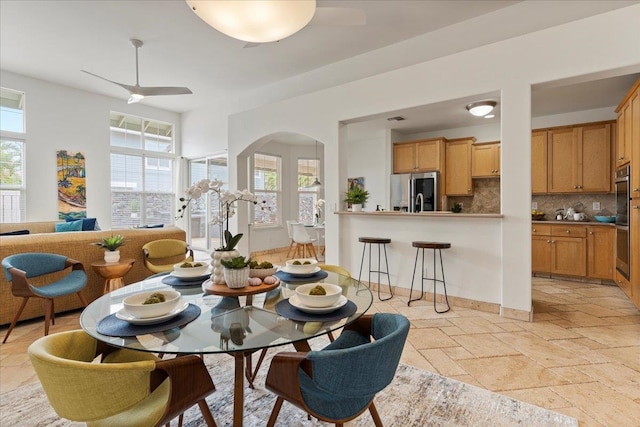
(339, 382)
(20, 268)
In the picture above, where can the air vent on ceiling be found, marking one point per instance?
(396, 119)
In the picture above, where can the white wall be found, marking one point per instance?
(62, 118)
(593, 45)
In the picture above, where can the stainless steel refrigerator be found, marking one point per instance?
(416, 192)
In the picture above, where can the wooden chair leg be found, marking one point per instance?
(374, 414)
(291, 247)
(275, 412)
(48, 314)
(206, 413)
(15, 319)
(312, 250)
(82, 298)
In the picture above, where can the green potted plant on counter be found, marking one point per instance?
(356, 197)
(236, 271)
(110, 245)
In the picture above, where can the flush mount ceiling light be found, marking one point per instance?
(257, 21)
(481, 108)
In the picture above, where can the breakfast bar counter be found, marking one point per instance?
(436, 214)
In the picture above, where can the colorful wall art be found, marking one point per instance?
(72, 190)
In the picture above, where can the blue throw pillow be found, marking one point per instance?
(88, 224)
(69, 226)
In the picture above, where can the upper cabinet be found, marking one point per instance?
(579, 159)
(418, 156)
(485, 160)
(539, 156)
(628, 141)
(458, 167)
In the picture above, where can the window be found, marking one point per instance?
(204, 235)
(266, 186)
(307, 197)
(12, 153)
(142, 178)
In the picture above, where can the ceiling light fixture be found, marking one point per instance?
(257, 21)
(316, 182)
(481, 108)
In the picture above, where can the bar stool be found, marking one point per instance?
(435, 246)
(380, 242)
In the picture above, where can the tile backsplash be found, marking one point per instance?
(486, 199)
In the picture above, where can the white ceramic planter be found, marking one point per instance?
(112, 256)
(236, 278)
(356, 207)
(217, 274)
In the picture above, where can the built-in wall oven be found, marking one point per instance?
(623, 198)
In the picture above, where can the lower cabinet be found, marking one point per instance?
(573, 250)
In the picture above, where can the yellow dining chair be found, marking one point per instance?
(161, 255)
(127, 388)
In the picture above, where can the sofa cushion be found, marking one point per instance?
(69, 226)
(15, 233)
(88, 224)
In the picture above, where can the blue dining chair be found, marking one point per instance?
(20, 268)
(339, 382)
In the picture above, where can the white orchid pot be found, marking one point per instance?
(356, 207)
(112, 256)
(217, 274)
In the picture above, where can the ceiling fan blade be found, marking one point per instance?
(160, 90)
(339, 17)
(122, 85)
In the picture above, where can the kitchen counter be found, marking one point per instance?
(437, 214)
(555, 221)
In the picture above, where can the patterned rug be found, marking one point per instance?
(415, 398)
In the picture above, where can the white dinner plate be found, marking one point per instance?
(286, 270)
(295, 301)
(188, 277)
(123, 315)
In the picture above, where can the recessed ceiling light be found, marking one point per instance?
(481, 108)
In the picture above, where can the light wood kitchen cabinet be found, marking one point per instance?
(634, 250)
(458, 167)
(623, 141)
(539, 162)
(418, 156)
(624, 284)
(563, 250)
(600, 252)
(580, 159)
(485, 160)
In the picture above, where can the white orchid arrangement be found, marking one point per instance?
(318, 205)
(227, 207)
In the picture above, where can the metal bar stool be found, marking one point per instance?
(435, 246)
(380, 242)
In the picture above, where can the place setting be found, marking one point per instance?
(148, 312)
(188, 273)
(301, 270)
(316, 302)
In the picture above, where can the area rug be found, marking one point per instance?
(415, 398)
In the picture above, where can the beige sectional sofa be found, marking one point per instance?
(76, 245)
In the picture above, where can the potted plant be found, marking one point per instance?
(456, 208)
(356, 197)
(236, 271)
(111, 245)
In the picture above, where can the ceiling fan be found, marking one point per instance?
(140, 92)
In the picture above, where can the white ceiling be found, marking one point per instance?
(53, 40)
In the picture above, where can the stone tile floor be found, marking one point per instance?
(580, 356)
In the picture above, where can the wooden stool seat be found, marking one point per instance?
(380, 240)
(431, 245)
(436, 246)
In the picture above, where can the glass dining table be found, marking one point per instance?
(235, 325)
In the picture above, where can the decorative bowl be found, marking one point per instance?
(601, 218)
(537, 217)
(305, 266)
(331, 297)
(262, 272)
(134, 304)
(190, 268)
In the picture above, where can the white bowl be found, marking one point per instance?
(303, 268)
(331, 297)
(133, 304)
(190, 271)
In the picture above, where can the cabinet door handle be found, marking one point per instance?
(534, 230)
(635, 190)
(591, 232)
(635, 207)
(553, 241)
(568, 231)
(575, 187)
(621, 158)
(549, 241)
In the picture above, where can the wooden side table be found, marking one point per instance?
(113, 272)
